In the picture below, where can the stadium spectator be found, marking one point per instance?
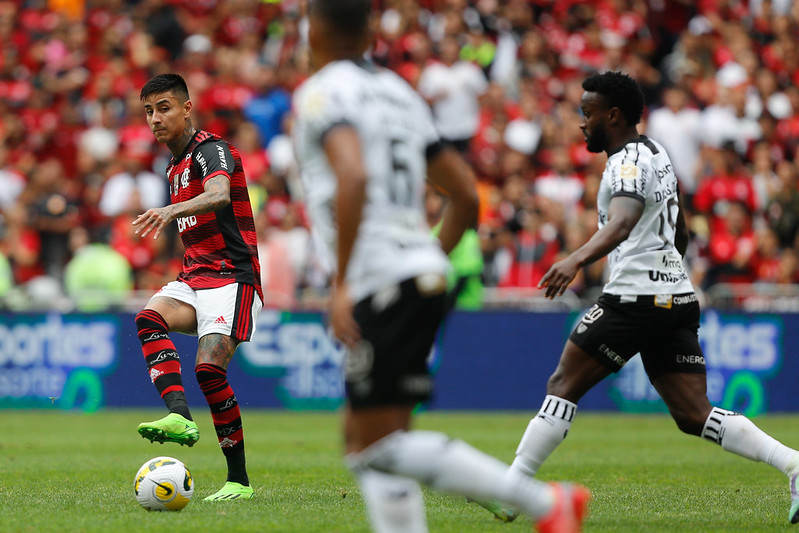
(53, 214)
(278, 277)
(269, 104)
(732, 247)
(560, 183)
(453, 88)
(783, 208)
(97, 276)
(132, 183)
(678, 123)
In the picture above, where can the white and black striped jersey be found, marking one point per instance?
(647, 262)
(396, 131)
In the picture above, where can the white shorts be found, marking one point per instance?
(231, 310)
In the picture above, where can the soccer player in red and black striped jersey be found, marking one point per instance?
(218, 294)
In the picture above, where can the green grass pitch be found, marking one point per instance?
(63, 471)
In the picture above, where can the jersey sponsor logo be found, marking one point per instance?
(665, 194)
(685, 299)
(203, 164)
(663, 300)
(663, 172)
(611, 354)
(670, 262)
(667, 277)
(628, 171)
(222, 158)
(690, 359)
(185, 223)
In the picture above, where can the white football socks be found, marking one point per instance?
(737, 434)
(544, 433)
(453, 466)
(394, 503)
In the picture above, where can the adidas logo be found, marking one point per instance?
(220, 320)
(227, 443)
(155, 373)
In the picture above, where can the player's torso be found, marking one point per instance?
(394, 241)
(647, 262)
(220, 245)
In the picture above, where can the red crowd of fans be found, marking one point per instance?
(78, 162)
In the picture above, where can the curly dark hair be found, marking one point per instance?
(164, 83)
(619, 90)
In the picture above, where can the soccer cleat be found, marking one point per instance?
(497, 509)
(793, 474)
(172, 428)
(231, 491)
(569, 510)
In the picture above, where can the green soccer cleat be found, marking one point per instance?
(500, 513)
(231, 491)
(172, 428)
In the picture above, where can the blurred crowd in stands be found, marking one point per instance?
(78, 162)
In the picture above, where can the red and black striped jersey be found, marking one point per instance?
(221, 246)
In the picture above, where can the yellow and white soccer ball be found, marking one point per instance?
(163, 484)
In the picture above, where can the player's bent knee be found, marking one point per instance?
(150, 320)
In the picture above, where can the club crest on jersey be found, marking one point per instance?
(181, 182)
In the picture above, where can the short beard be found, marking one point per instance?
(597, 141)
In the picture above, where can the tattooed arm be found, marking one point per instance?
(215, 197)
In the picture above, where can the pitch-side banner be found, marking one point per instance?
(482, 360)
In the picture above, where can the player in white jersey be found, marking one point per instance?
(648, 305)
(366, 142)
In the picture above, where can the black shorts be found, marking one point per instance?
(662, 329)
(398, 327)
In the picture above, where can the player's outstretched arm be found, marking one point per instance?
(450, 172)
(623, 213)
(215, 196)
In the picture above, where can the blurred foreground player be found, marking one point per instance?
(648, 305)
(365, 141)
(218, 295)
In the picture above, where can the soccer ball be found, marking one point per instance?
(163, 484)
